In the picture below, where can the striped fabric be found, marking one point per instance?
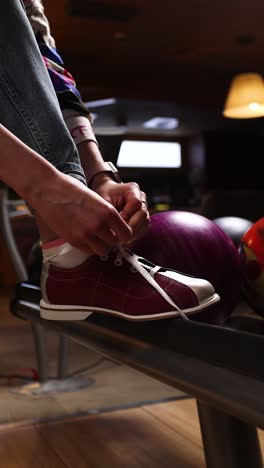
(63, 82)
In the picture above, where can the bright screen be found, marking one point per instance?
(148, 154)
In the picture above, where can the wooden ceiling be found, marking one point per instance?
(183, 51)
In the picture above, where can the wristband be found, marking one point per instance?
(80, 129)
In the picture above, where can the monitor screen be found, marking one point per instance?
(149, 154)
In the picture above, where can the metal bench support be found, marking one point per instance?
(228, 441)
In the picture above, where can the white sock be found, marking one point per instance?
(62, 254)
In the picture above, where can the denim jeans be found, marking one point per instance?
(28, 103)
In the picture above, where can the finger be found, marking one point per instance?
(120, 228)
(140, 233)
(108, 237)
(140, 221)
(144, 198)
(135, 200)
(96, 245)
(132, 197)
(131, 207)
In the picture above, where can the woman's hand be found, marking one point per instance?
(78, 215)
(129, 201)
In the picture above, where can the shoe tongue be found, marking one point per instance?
(146, 263)
(148, 266)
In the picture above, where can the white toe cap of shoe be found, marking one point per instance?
(201, 287)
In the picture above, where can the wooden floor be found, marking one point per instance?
(156, 436)
(17, 353)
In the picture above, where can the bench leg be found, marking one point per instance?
(63, 357)
(41, 351)
(228, 442)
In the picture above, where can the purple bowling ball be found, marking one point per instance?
(194, 245)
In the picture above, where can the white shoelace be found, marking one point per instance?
(148, 275)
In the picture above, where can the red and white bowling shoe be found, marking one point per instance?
(123, 285)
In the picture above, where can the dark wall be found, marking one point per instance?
(234, 160)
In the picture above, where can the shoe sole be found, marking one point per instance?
(71, 312)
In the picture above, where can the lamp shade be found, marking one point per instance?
(245, 99)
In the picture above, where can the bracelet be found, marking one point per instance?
(108, 168)
(90, 140)
(95, 175)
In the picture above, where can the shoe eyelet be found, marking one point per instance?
(103, 258)
(118, 262)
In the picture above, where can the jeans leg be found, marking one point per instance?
(28, 103)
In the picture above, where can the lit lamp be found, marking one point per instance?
(245, 99)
